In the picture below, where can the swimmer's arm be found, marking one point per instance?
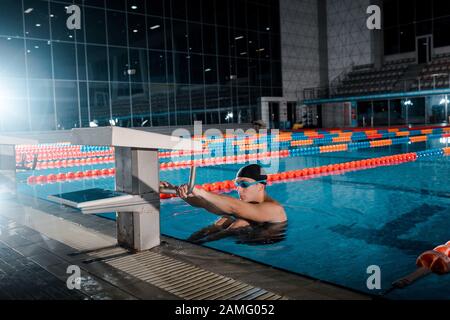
(263, 212)
(201, 203)
(193, 201)
(183, 193)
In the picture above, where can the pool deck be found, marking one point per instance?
(40, 240)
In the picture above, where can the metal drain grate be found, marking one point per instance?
(185, 280)
(107, 252)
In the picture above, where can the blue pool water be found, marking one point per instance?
(338, 225)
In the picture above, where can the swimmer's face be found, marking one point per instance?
(251, 193)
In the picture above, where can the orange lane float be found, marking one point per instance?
(346, 137)
(418, 139)
(298, 143)
(382, 143)
(436, 260)
(283, 153)
(433, 261)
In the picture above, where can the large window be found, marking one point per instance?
(404, 20)
(139, 63)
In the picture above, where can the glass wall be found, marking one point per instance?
(136, 62)
(364, 113)
(404, 20)
(397, 114)
(407, 111)
(437, 108)
(380, 113)
(415, 110)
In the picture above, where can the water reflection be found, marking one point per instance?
(255, 234)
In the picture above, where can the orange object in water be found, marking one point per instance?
(31, 180)
(231, 185)
(41, 179)
(437, 260)
(275, 177)
(70, 175)
(61, 177)
(87, 174)
(298, 173)
(216, 186)
(80, 174)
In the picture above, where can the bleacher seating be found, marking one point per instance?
(434, 75)
(368, 80)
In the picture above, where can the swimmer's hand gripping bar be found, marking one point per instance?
(191, 183)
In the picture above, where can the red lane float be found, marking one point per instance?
(67, 163)
(310, 173)
(304, 174)
(32, 180)
(61, 177)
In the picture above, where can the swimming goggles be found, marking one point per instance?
(246, 184)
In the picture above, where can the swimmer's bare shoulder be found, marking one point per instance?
(278, 208)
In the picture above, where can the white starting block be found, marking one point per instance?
(136, 198)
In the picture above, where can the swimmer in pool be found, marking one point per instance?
(253, 208)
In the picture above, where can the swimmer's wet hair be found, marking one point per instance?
(252, 171)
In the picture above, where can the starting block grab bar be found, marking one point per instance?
(191, 183)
